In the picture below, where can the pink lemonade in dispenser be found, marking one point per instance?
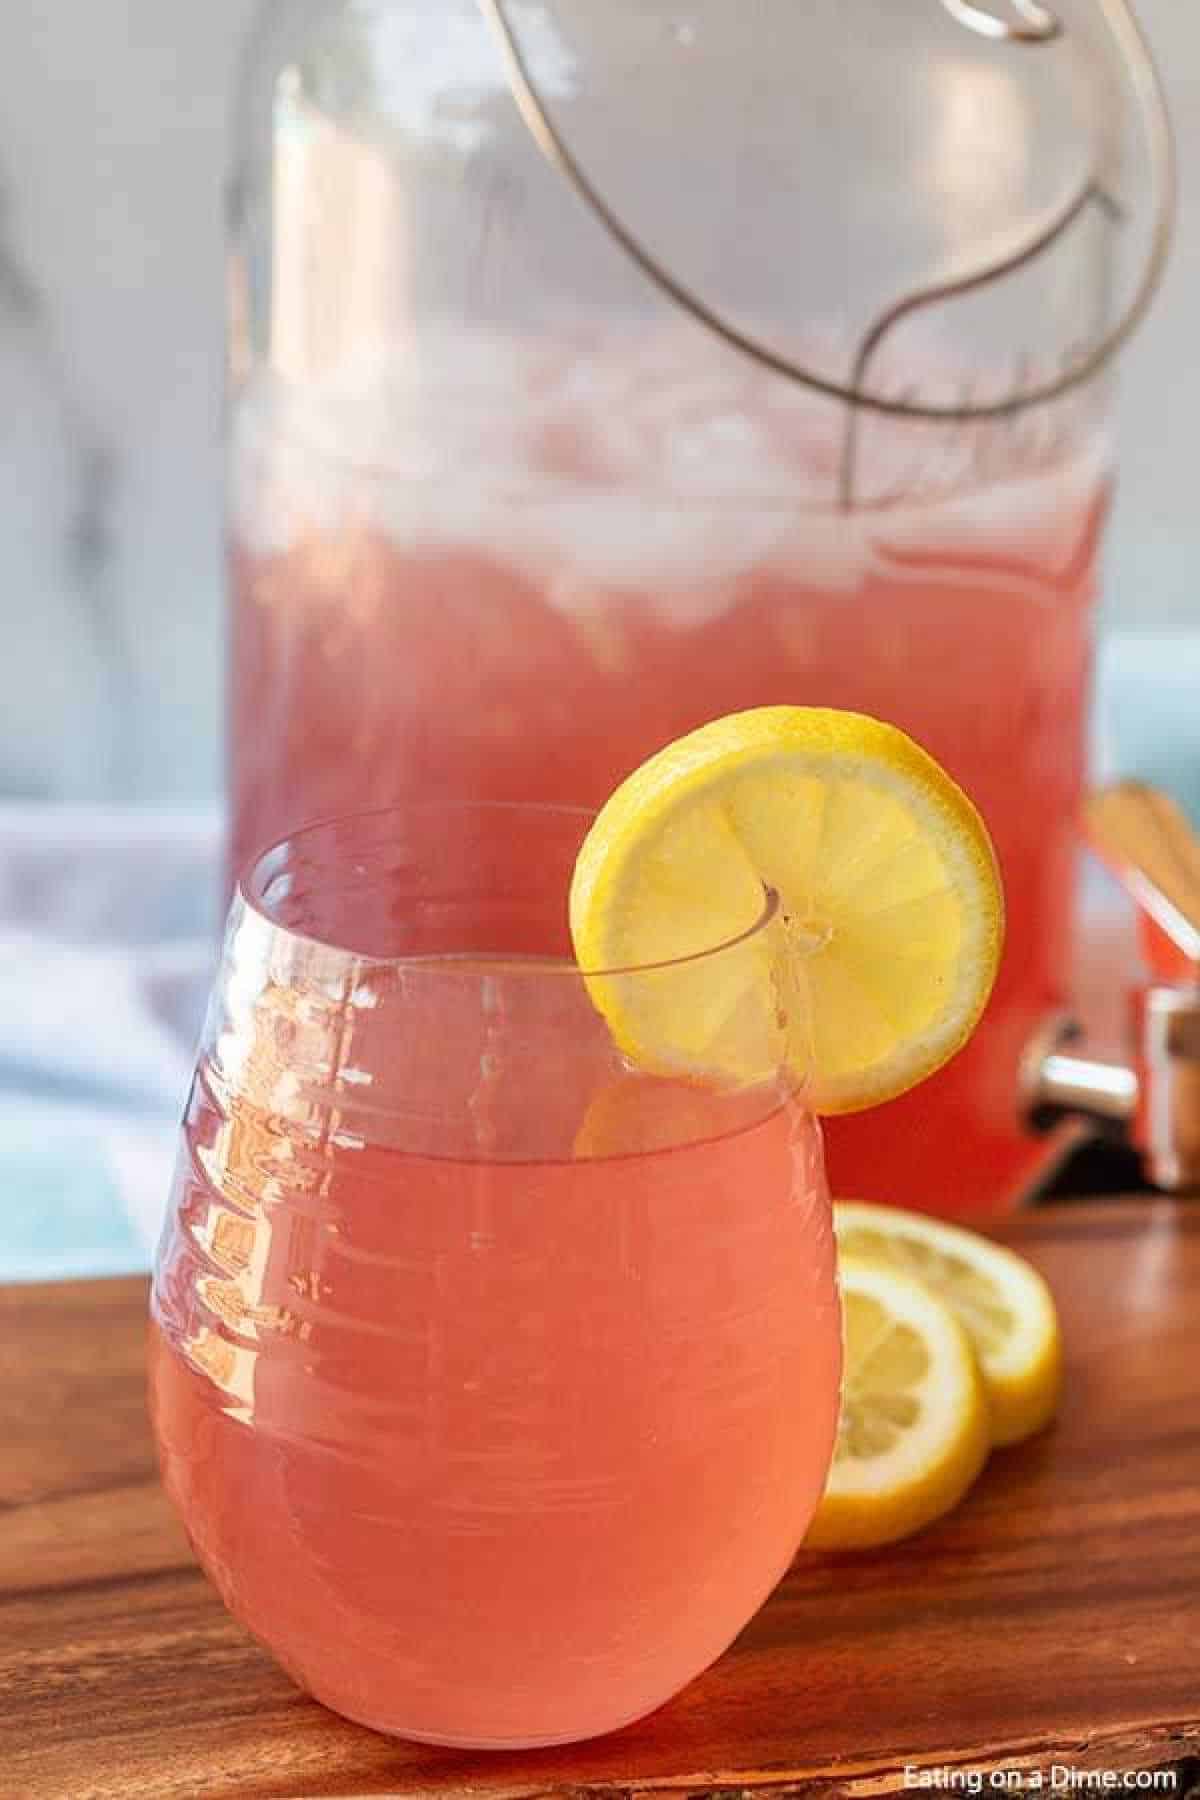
(610, 549)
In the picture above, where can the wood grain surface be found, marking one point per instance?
(1053, 1619)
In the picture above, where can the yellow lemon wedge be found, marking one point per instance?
(913, 1433)
(885, 885)
(1004, 1305)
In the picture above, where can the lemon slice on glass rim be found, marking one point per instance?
(913, 1432)
(886, 885)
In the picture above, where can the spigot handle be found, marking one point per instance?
(1149, 844)
(1153, 1092)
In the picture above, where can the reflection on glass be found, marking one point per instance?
(495, 1381)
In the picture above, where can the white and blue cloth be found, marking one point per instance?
(108, 928)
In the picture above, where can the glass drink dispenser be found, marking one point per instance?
(600, 368)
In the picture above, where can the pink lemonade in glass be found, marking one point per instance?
(495, 1383)
(617, 548)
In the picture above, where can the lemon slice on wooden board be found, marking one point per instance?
(887, 888)
(1004, 1305)
(913, 1433)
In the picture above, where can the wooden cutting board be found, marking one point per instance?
(1053, 1620)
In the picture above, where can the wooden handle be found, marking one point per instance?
(1148, 842)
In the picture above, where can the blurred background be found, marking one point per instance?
(113, 127)
(113, 138)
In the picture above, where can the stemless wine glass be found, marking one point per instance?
(494, 1379)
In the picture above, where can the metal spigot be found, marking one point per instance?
(1152, 1095)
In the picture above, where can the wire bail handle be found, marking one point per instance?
(1030, 24)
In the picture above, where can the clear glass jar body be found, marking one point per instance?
(495, 1383)
(504, 519)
